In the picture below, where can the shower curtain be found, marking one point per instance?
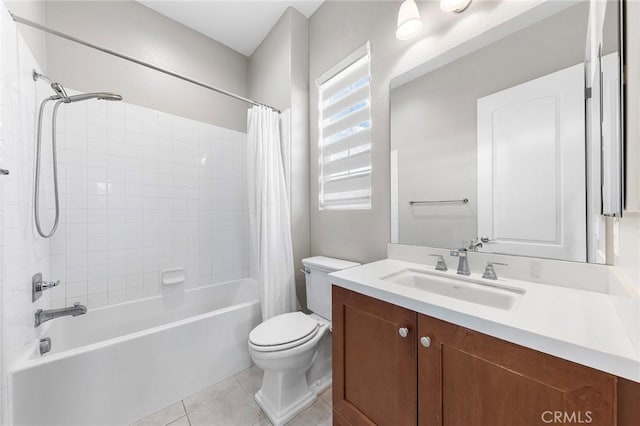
(270, 223)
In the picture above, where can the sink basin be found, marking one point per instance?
(468, 289)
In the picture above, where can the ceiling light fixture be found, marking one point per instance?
(455, 6)
(409, 22)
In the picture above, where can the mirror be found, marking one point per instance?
(515, 148)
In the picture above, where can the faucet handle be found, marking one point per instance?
(458, 252)
(441, 265)
(38, 285)
(461, 252)
(49, 284)
(490, 272)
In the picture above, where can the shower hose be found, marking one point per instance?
(36, 196)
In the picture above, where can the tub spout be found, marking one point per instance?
(44, 316)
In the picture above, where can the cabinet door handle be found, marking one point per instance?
(425, 341)
(403, 331)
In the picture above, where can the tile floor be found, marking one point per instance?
(231, 403)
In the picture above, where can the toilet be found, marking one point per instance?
(294, 349)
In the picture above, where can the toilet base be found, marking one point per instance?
(293, 376)
(280, 418)
(321, 385)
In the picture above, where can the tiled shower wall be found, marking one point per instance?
(21, 253)
(144, 191)
(141, 191)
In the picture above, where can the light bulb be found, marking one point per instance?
(455, 6)
(409, 22)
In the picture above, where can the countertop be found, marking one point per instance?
(576, 325)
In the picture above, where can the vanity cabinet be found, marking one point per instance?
(441, 374)
(374, 368)
(469, 378)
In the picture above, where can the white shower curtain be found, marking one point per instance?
(271, 247)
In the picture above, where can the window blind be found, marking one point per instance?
(344, 118)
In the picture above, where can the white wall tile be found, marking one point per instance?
(97, 300)
(22, 254)
(158, 190)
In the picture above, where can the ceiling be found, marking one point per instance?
(239, 24)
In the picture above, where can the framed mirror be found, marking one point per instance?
(515, 147)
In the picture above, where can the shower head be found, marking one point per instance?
(61, 94)
(104, 96)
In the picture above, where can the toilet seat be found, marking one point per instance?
(283, 332)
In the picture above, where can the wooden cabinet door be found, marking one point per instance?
(470, 379)
(374, 367)
(628, 402)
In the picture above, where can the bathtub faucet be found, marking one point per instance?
(44, 316)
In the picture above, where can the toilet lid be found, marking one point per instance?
(283, 330)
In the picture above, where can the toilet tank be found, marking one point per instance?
(318, 282)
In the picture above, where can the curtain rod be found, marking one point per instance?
(57, 33)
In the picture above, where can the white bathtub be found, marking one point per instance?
(119, 363)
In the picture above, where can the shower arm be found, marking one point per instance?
(55, 86)
(35, 75)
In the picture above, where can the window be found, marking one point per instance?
(344, 122)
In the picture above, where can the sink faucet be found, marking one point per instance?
(44, 316)
(475, 244)
(463, 263)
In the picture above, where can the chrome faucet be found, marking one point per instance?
(475, 244)
(463, 263)
(44, 316)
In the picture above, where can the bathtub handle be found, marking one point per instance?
(49, 284)
(38, 285)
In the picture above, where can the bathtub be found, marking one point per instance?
(117, 364)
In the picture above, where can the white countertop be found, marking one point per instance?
(577, 325)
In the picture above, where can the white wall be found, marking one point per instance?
(300, 145)
(135, 30)
(278, 76)
(270, 63)
(22, 254)
(338, 28)
(35, 39)
(143, 191)
(626, 258)
(624, 281)
(335, 30)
